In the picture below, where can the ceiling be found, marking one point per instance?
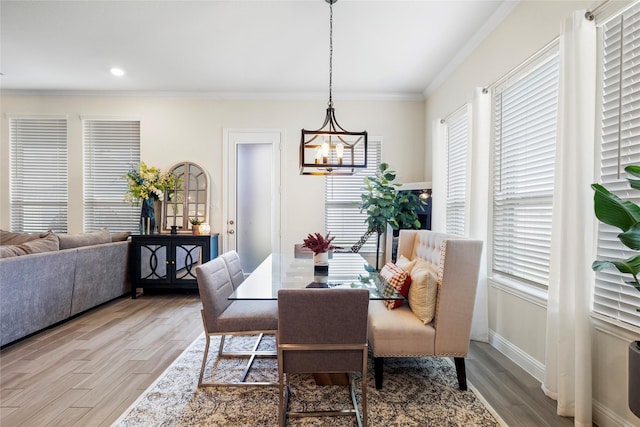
(387, 49)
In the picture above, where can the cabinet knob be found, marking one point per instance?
(231, 231)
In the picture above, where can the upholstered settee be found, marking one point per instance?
(73, 274)
(439, 323)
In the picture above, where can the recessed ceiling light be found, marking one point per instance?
(117, 71)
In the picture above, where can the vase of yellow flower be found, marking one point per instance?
(146, 186)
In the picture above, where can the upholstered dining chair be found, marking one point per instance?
(322, 331)
(234, 266)
(221, 317)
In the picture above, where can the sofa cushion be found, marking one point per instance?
(49, 242)
(120, 237)
(10, 238)
(423, 292)
(397, 279)
(68, 241)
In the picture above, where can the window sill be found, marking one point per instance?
(615, 327)
(521, 290)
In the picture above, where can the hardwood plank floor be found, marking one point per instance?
(87, 371)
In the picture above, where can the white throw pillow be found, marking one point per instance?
(423, 293)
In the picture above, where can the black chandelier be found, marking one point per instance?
(332, 150)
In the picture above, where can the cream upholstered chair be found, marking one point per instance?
(322, 331)
(234, 266)
(221, 317)
(400, 333)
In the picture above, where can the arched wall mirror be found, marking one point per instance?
(189, 201)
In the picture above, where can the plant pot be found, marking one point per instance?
(634, 375)
(321, 259)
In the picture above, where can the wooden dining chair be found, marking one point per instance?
(234, 266)
(222, 317)
(322, 331)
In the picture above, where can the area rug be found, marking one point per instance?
(417, 392)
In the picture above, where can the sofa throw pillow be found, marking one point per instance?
(120, 237)
(404, 263)
(394, 279)
(68, 241)
(423, 292)
(49, 242)
(10, 238)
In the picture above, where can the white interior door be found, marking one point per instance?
(251, 203)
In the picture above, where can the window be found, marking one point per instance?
(342, 215)
(620, 147)
(38, 171)
(457, 128)
(111, 149)
(525, 121)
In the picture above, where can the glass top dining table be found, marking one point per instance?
(283, 271)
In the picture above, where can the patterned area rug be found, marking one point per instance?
(417, 392)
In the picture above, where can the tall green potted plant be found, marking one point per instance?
(385, 205)
(624, 215)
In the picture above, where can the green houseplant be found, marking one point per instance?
(385, 205)
(624, 215)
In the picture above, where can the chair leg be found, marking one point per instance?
(378, 362)
(204, 360)
(462, 373)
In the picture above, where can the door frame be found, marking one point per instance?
(233, 136)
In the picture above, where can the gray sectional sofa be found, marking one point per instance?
(38, 290)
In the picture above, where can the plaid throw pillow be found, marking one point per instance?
(394, 279)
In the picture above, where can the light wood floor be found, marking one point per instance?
(87, 371)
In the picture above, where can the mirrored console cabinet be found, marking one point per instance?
(169, 261)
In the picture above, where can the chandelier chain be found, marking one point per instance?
(330, 52)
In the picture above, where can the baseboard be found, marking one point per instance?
(517, 355)
(605, 417)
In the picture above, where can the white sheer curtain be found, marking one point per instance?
(568, 350)
(478, 202)
(439, 176)
(477, 194)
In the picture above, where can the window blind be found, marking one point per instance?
(457, 129)
(525, 121)
(620, 147)
(342, 215)
(38, 170)
(111, 149)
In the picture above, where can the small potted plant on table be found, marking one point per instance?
(320, 246)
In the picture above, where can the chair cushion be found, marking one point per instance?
(423, 292)
(249, 315)
(398, 332)
(398, 279)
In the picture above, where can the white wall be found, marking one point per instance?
(517, 321)
(180, 129)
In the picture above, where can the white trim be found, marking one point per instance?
(491, 24)
(615, 328)
(278, 96)
(520, 290)
(37, 116)
(607, 418)
(84, 117)
(517, 355)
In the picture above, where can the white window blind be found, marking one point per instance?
(457, 128)
(38, 174)
(525, 135)
(620, 148)
(111, 149)
(342, 215)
